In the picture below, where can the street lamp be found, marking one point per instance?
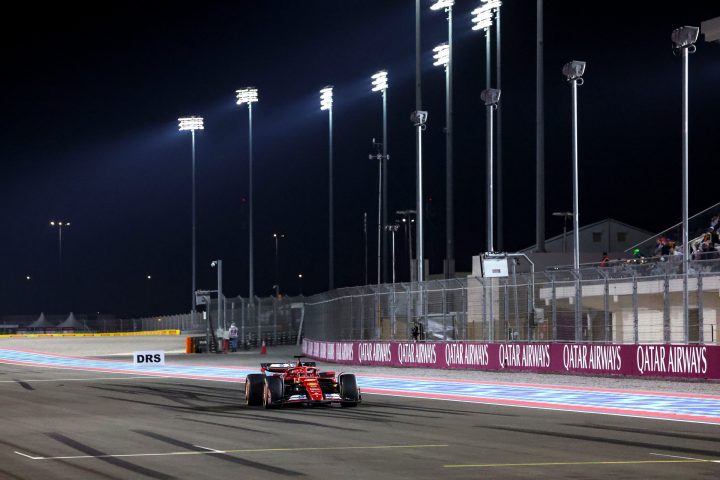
(192, 124)
(380, 84)
(59, 226)
(443, 57)
(573, 72)
(684, 39)
(326, 103)
(565, 216)
(249, 95)
(491, 97)
(277, 262)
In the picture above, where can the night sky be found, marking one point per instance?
(89, 135)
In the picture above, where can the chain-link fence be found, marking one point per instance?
(624, 302)
(276, 321)
(636, 301)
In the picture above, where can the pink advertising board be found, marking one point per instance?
(656, 360)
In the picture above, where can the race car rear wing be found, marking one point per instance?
(281, 367)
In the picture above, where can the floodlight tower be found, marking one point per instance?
(326, 103)
(249, 95)
(483, 20)
(491, 97)
(684, 39)
(443, 57)
(573, 72)
(59, 226)
(380, 84)
(192, 124)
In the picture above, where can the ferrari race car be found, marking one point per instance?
(299, 382)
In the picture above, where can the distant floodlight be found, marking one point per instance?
(442, 55)
(326, 98)
(380, 81)
(483, 16)
(685, 36)
(247, 95)
(191, 123)
(491, 96)
(573, 70)
(440, 4)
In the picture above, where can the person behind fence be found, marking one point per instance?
(415, 332)
(233, 337)
(605, 260)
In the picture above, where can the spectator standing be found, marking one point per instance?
(233, 337)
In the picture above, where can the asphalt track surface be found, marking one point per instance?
(74, 422)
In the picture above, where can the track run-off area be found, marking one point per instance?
(68, 416)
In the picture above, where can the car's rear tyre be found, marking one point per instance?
(273, 392)
(254, 389)
(349, 391)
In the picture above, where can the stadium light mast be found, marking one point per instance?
(573, 72)
(443, 57)
(191, 124)
(326, 103)
(249, 95)
(684, 39)
(380, 84)
(491, 98)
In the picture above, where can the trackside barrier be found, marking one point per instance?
(110, 334)
(664, 360)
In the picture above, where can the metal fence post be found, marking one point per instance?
(464, 292)
(701, 319)
(606, 309)
(666, 308)
(362, 317)
(553, 306)
(444, 311)
(636, 336)
(274, 305)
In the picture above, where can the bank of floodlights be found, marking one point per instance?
(326, 98)
(442, 55)
(380, 81)
(483, 15)
(440, 4)
(247, 95)
(191, 123)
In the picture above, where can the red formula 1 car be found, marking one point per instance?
(300, 382)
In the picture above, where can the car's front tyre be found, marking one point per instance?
(349, 391)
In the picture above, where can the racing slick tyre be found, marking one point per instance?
(273, 392)
(349, 391)
(254, 389)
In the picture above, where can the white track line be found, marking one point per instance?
(215, 452)
(685, 458)
(211, 449)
